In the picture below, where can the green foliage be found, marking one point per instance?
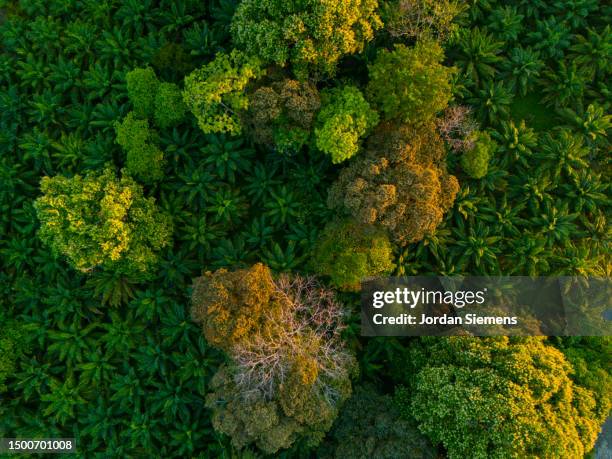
(215, 93)
(370, 426)
(12, 338)
(132, 132)
(144, 159)
(345, 118)
(349, 252)
(590, 357)
(142, 84)
(131, 381)
(310, 35)
(283, 113)
(497, 397)
(100, 221)
(410, 84)
(475, 162)
(169, 106)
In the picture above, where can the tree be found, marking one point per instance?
(593, 53)
(230, 305)
(475, 162)
(565, 86)
(282, 114)
(522, 69)
(457, 128)
(422, 18)
(169, 106)
(592, 122)
(497, 397)
(410, 84)
(370, 426)
(344, 119)
(310, 35)
(349, 252)
(477, 54)
(590, 357)
(101, 221)
(142, 86)
(215, 93)
(144, 159)
(289, 372)
(401, 183)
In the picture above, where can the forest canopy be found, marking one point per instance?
(191, 193)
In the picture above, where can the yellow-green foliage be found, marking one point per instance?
(145, 160)
(282, 114)
(169, 106)
(499, 398)
(132, 132)
(229, 305)
(348, 252)
(215, 93)
(141, 86)
(400, 183)
(310, 34)
(410, 84)
(475, 162)
(289, 371)
(345, 118)
(101, 221)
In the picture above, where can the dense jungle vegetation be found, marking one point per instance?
(191, 192)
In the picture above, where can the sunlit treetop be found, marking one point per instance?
(311, 35)
(215, 93)
(101, 221)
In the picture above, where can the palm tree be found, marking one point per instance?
(516, 143)
(565, 152)
(592, 122)
(492, 102)
(522, 69)
(477, 54)
(506, 23)
(594, 53)
(564, 86)
(552, 37)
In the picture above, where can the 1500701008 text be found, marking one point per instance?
(38, 445)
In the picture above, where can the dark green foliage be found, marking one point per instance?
(349, 252)
(12, 338)
(370, 426)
